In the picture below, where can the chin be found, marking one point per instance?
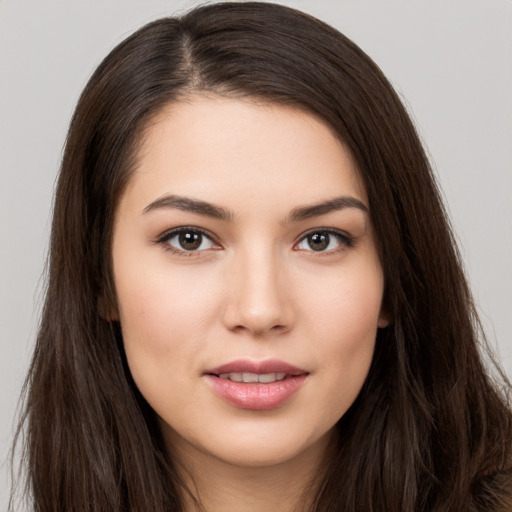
(255, 448)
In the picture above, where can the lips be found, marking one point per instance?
(265, 378)
(256, 385)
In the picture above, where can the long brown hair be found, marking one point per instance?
(430, 431)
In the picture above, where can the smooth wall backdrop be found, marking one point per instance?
(450, 60)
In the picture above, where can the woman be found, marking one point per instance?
(255, 301)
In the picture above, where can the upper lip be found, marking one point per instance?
(259, 367)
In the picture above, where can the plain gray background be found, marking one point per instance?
(451, 60)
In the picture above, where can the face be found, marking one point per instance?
(248, 281)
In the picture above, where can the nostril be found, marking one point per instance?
(257, 308)
(261, 330)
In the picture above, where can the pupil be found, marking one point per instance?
(190, 241)
(318, 241)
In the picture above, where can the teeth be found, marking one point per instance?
(264, 378)
(250, 377)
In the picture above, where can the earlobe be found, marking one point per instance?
(385, 317)
(383, 322)
(107, 311)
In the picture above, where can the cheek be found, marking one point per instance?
(164, 319)
(346, 307)
(158, 299)
(343, 324)
(348, 342)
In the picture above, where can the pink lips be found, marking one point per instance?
(256, 395)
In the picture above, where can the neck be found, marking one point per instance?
(217, 486)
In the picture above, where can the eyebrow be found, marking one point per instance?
(332, 205)
(188, 204)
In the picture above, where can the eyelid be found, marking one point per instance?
(171, 233)
(346, 240)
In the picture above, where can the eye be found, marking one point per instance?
(324, 241)
(186, 240)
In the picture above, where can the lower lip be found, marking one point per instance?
(256, 396)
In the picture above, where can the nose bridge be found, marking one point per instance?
(257, 298)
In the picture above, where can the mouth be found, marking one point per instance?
(253, 385)
(248, 378)
(242, 369)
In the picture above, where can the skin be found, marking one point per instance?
(255, 289)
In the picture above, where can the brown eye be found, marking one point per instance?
(318, 241)
(324, 241)
(188, 240)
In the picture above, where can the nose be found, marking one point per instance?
(258, 295)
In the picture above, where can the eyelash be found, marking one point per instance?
(164, 239)
(344, 239)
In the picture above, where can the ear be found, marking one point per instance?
(383, 321)
(107, 311)
(384, 318)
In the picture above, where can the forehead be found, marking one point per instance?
(220, 149)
